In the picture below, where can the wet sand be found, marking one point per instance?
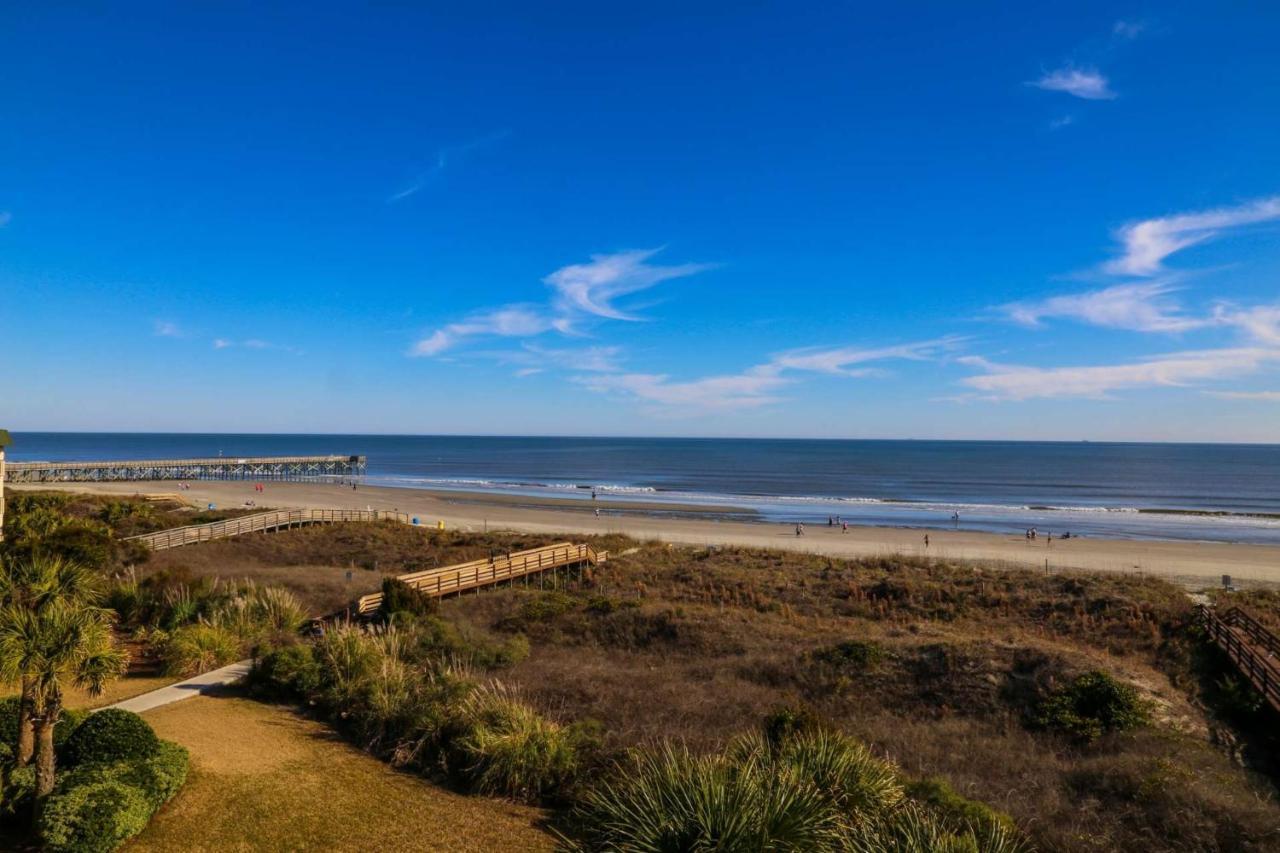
(1196, 564)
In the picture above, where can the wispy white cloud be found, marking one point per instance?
(581, 292)
(592, 287)
(840, 361)
(1022, 382)
(1128, 29)
(1262, 396)
(1139, 307)
(710, 393)
(167, 329)
(1146, 244)
(591, 359)
(255, 344)
(759, 385)
(1086, 83)
(511, 321)
(443, 158)
(1061, 122)
(1261, 323)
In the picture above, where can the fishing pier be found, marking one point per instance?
(215, 468)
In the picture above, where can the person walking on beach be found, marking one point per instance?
(597, 512)
(926, 541)
(593, 494)
(799, 529)
(844, 527)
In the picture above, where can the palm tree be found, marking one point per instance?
(50, 646)
(35, 584)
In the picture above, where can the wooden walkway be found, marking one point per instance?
(176, 537)
(1252, 648)
(447, 580)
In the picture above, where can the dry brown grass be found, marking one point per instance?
(314, 562)
(265, 779)
(699, 645)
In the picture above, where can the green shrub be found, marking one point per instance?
(111, 735)
(93, 818)
(787, 722)
(817, 790)
(851, 654)
(941, 799)
(538, 608)
(17, 796)
(291, 672)
(509, 749)
(158, 777)
(399, 597)
(193, 649)
(603, 605)
(1092, 705)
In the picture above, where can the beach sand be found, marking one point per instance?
(1195, 564)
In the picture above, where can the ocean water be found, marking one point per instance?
(1177, 491)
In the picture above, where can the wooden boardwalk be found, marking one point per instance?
(448, 580)
(215, 468)
(176, 537)
(1252, 648)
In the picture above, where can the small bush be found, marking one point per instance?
(788, 722)
(111, 735)
(158, 777)
(93, 818)
(941, 799)
(603, 605)
(1092, 705)
(399, 597)
(851, 654)
(290, 673)
(511, 750)
(193, 649)
(17, 796)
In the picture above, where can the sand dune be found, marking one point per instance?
(1193, 563)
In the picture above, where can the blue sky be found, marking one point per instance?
(1041, 221)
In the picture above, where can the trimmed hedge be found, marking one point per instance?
(96, 806)
(111, 735)
(158, 777)
(93, 818)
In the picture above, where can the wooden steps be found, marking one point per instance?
(1252, 648)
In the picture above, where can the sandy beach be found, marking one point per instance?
(1195, 564)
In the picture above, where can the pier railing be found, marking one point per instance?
(446, 580)
(1252, 648)
(178, 536)
(216, 468)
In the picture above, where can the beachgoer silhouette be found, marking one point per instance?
(844, 527)
(926, 540)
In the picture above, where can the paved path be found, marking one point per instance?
(185, 689)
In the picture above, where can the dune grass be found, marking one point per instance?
(264, 778)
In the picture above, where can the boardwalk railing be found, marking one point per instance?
(1250, 646)
(178, 536)
(478, 573)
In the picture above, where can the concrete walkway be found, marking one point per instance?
(185, 689)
